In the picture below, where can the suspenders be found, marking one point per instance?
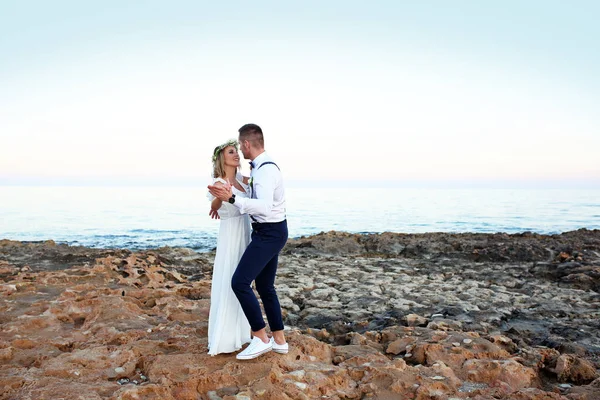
(259, 167)
(268, 162)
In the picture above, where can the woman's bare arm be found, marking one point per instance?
(216, 203)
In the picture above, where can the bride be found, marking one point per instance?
(228, 328)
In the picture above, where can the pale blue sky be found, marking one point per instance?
(438, 91)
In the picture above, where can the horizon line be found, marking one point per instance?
(484, 183)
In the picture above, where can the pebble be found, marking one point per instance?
(301, 385)
(471, 387)
(298, 374)
(565, 386)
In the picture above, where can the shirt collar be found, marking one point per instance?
(262, 157)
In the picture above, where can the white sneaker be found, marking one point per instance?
(256, 348)
(280, 348)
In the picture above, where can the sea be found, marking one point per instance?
(149, 217)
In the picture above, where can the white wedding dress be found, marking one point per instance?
(228, 327)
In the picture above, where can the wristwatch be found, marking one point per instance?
(231, 199)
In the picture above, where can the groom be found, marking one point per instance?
(266, 207)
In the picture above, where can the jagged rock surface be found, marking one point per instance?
(429, 316)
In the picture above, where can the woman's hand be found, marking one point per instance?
(214, 214)
(221, 191)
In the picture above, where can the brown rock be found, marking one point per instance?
(415, 320)
(535, 394)
(570, 368)
(504, 343)
(81, 319)
(510, 372)
(147, 392)
(586, 392)
(6, 354)
(399, 345)
(24, 344)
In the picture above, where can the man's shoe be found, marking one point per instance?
(279, 348)
(256, 348)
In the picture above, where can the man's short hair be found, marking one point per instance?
(252, 132)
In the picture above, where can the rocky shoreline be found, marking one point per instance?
(382, 316)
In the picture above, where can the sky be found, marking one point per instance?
(387, 92)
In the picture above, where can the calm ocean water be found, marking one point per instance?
(143, 217)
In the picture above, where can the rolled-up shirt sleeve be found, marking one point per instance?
(264, 184)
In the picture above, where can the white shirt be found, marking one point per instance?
(268, 196)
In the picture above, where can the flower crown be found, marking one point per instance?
(231, 142)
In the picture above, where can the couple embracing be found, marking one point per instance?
(252, 233)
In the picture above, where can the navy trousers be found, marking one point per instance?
(259, 264)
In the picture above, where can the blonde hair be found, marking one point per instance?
(219, 158)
